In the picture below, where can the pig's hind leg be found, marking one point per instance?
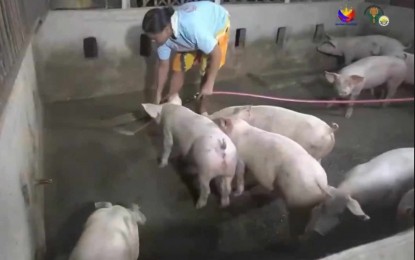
(225, 190)
(204, 188)
(240, 178)
(392, 86)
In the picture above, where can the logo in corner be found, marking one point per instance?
(346, 16)
(374, 12)
(383, 20)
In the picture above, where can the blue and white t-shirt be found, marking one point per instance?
(195, 25)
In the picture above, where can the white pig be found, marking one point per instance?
(200, 141)
(410, 68)
(368, 73)
(313, 134)
(358, 47)
(278, 163)
(405, 211)
(378, 183)
(111, 232)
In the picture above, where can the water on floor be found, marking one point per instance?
(90, 164)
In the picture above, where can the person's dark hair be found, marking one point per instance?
(156, 19)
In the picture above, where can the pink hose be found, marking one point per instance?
(393, 100)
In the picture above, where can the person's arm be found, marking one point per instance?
(209, 45)
(213, 66)
(162, 71)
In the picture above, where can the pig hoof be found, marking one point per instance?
(237, 193)
(225, 203)
(200, 204)
(163, 164)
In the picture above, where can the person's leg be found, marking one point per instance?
(223, 40)
(182, 62)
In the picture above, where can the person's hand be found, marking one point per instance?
(207, 89)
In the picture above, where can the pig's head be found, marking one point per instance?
(154, 111)
(103, 204)
(344, 84)
(230, 125)
(331, 47)
(329, 213)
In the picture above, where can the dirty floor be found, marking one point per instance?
(91, 164)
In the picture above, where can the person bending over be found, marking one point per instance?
(197, 33)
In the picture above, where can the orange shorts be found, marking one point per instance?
(184, 61)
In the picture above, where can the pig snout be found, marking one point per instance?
(343, 92)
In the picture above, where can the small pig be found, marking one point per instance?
(368, 73)
(378, 183)
(410, 68)
(278, 163)
(405, 212)
(313, 134)
(201, 142)
(111, 232)
(358, 47)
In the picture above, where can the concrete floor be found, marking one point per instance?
(96, 164)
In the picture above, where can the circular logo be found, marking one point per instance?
(383, 20)
(346, 15)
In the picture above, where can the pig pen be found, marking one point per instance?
(90, 163)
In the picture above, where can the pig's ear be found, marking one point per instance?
(331, 76)
(328, 190)
(356, 79)
(102, 204)
(152, 110)
(137, 214)
(225, 123)
(328, 36)
(356, 209)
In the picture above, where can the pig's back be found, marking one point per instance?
(297, 172)
(187, 126)
(302, 176)
(282, 121)
(377, 69)
(105, 234)
(365, 65)
(386, 176)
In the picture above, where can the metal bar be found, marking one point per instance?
(17, 17)
(9, 30)
(4, 39)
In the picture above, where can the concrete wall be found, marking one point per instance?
(64, 73)
(21, 201)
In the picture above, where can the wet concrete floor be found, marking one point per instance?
(97, 164)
